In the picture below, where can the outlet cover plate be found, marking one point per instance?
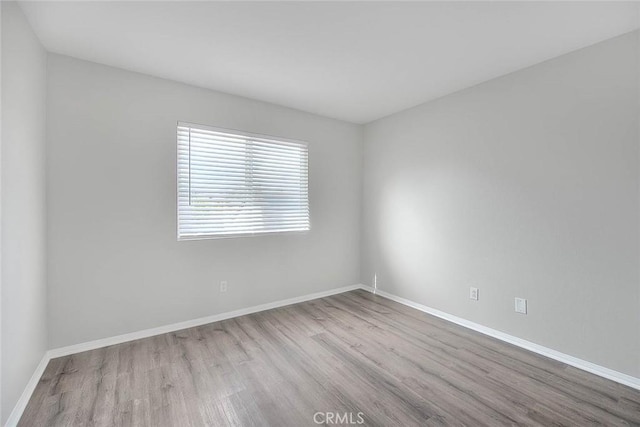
(474, 293)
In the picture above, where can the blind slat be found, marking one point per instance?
(232, 183)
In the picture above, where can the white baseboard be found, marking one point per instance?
(15, 415)
(104, 342)
(13, 419)
(92, 345)
(610, 374)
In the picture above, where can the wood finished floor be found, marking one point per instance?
(349, 353)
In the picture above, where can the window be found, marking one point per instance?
(233, 183)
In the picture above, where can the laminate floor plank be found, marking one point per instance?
(552, 367)
(346, 354)
(564, 393)
(445, 387)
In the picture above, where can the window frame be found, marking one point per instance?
(248, 135)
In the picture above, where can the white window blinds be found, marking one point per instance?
(233, 183)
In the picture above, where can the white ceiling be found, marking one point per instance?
(355, 61)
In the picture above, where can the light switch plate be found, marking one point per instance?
(521, 305)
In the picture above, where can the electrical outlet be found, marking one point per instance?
(474, 293)
(223, 286)
(521, 305)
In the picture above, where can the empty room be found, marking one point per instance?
(306, 213)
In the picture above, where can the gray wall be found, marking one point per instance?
(114, 263)
(24, 329)
(525, 186)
